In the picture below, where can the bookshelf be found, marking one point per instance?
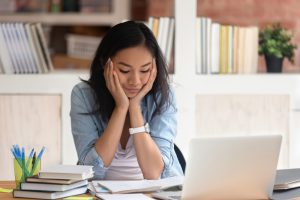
(61, 26)
(190, 87)
(120, 11)
(64, 19)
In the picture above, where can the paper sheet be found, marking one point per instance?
(123, 197)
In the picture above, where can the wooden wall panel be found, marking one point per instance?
(31, 121)
(245, 115)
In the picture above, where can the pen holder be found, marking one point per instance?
(24, 169)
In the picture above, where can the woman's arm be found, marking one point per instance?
(107, 144)
(86, 128)
(163, 127)
(147, 152)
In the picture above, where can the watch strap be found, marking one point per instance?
(141, 129)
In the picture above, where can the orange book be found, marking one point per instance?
(235, 49)
(155, 27)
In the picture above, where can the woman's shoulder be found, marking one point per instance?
(82, 87)
(83, 90)
(150, 102)
(170, 93)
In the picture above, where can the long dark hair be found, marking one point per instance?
(121, 36)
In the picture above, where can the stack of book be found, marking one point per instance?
(163, 29)
(56, 182)
(225, 49)
(23, 49)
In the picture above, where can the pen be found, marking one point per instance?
(41, 153)
(20, 158)
(33, 161)
(37, 161)
(16, 157)
(16, 151)
(23, 164)
(29, 158)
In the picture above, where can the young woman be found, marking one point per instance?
(124, 117)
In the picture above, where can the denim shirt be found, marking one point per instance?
(86, 129)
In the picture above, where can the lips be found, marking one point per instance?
(132, 90)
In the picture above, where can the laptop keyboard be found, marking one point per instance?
(175, 197)
(170, 195)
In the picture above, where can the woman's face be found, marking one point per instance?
(133, 66)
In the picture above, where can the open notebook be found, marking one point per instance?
(123, 187)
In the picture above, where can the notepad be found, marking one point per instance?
(78, 198)
(123, 197)
(123, 187)
(97, 188)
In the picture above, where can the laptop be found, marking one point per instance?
(237, 167)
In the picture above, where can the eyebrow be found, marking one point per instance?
(127, 65)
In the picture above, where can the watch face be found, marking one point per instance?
(147, 128)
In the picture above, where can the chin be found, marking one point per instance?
(130, 96)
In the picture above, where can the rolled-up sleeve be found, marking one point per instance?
(163, 131)
(85, 132)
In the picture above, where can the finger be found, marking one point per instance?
(106, 68)
(106, 71)
(109, 79)
(155, 67)
(111, 76)
(147, 87)
(153, 72)
(116, 80)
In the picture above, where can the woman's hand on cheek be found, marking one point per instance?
(114, 86)
(147, 87)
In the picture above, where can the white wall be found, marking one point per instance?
(189, 85)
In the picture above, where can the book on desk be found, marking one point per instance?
(57, 181)
(79, 172)
(49, 194)
(287, 179)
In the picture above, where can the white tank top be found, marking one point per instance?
(124, 165)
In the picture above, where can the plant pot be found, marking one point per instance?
(274, 64)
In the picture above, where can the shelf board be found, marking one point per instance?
(240, 84)
(108, 19)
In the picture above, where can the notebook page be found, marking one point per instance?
(123, 197)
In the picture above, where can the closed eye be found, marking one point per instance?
(124, 71)
(145, 71)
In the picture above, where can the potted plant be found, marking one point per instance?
(275, 44)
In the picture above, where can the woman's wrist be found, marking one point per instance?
(134, 107)
(121, 109)
(136, 116)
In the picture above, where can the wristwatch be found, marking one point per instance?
(141, 129)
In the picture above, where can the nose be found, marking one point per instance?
(134, 79)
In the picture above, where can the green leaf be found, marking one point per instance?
(276, 41)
